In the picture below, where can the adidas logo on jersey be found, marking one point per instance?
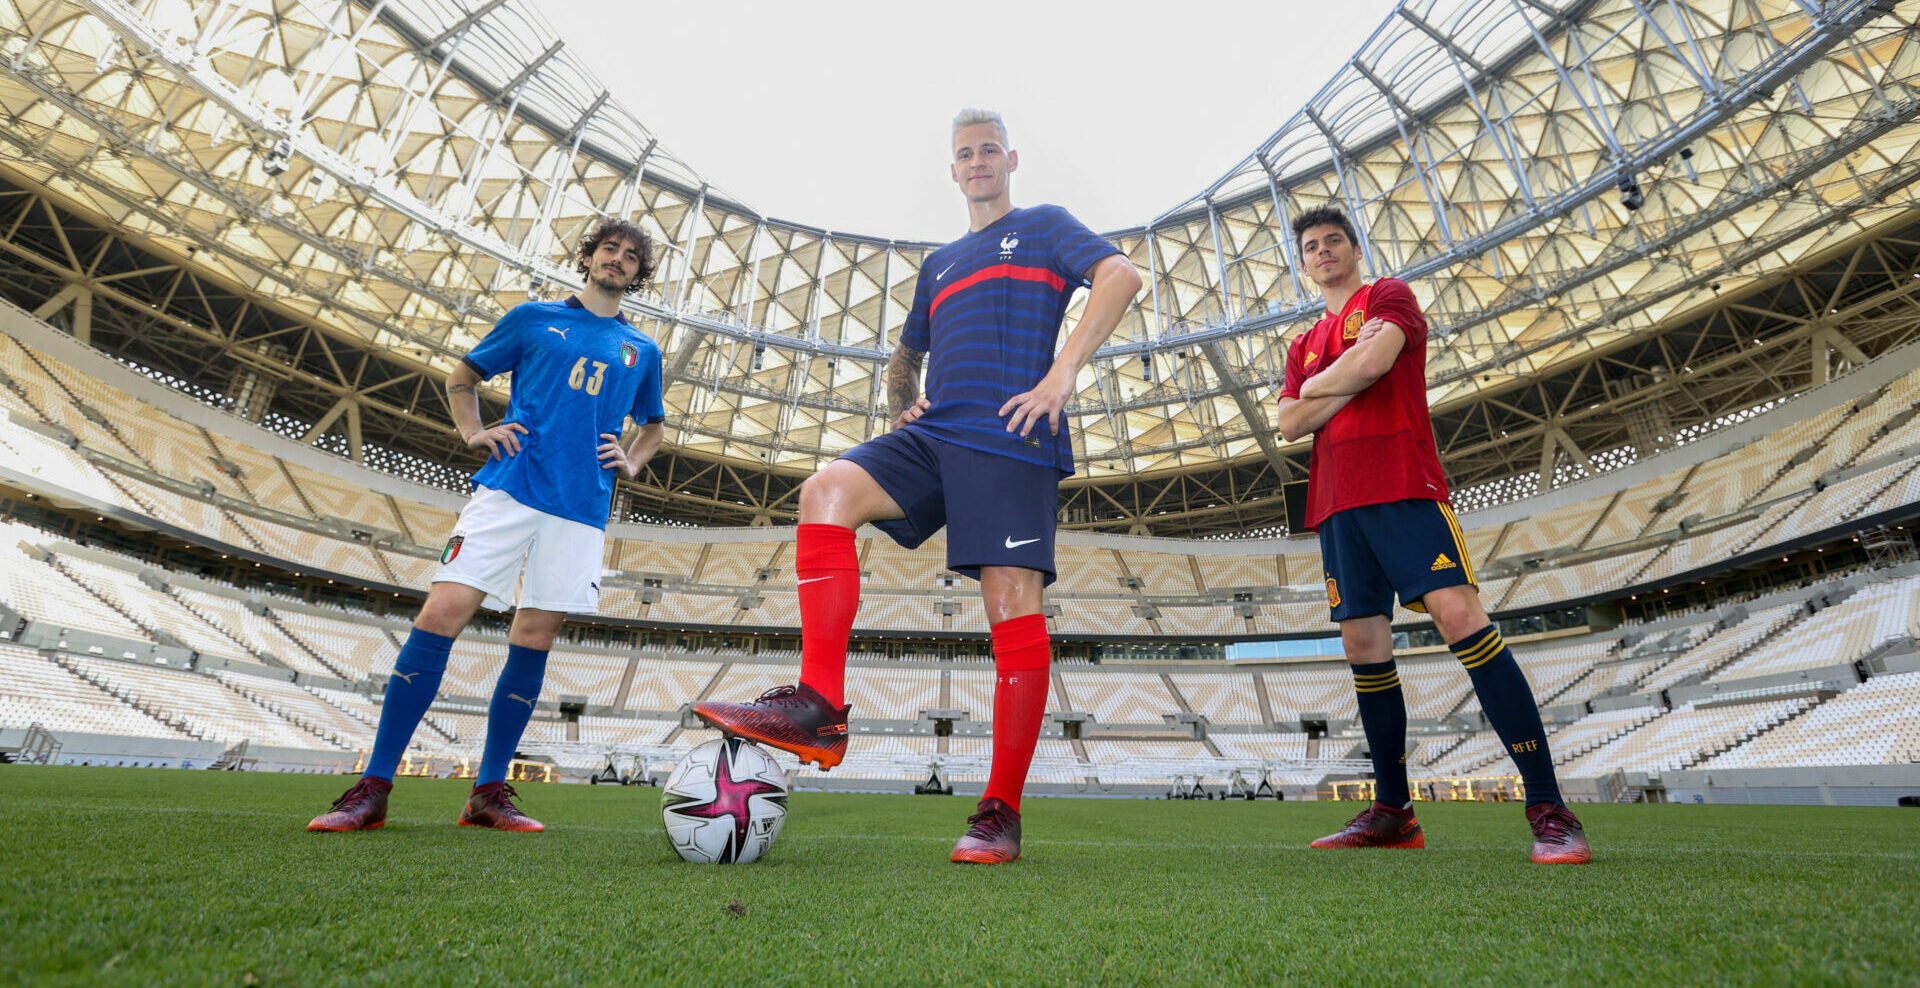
(1441, 562)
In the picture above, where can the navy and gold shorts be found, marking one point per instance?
(1375, 551)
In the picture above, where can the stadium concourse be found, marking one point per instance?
(1801, 688)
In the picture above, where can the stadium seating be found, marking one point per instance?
(35, 690)
(243, 487)
(199, 705)
(1876, 723)
(1683, 737)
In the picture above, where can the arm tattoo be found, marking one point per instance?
(903, 378)
(461, 389)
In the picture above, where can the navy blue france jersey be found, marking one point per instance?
(575, 375)
(987, 310)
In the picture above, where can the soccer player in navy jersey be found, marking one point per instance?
(1357, 381)
(538, 514)
(981, 453)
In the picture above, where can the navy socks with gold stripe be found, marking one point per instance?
(1383, 713)
(1506, 698)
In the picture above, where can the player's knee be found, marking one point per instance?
(1366, 641)
(447, 610)
(1456, 612)
(836, 495)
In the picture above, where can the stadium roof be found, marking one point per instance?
(403, 171)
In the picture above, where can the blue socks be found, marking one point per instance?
(1383, 713)
(410, 690)
(513, 699)
(1507, 700)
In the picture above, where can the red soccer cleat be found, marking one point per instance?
(1558, 837)
(791, 718)
(994, 837)
(362, 807)
(1378, 825)
(492, 806)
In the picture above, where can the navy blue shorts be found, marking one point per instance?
(998, 511)
(1406, 547)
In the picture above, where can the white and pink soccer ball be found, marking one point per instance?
(725, 803)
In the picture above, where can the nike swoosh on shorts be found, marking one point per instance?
(811, 579)
(1011, 544)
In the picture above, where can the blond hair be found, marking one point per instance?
(974, 115)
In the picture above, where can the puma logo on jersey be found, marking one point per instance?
(1441, 562)
(406, 676)
(522, 699)
(556, 329)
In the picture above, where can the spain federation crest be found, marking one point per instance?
(1355, 320)
(452, 551)
(629, 354)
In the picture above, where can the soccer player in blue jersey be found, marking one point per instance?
(538, 514)
(981, 453)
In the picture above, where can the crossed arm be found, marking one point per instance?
(1330, 390)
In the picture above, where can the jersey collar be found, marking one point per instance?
(573, 302)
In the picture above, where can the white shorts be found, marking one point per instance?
(499, 543)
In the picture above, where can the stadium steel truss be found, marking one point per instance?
(1627, 219)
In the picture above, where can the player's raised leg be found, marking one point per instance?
(1022, 654)
(810, 718)
(1506, 698)
(410, 690)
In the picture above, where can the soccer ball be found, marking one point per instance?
(725, 802)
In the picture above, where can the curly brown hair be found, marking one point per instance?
(613, 228)
(1324, 216)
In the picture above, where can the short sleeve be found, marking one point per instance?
(499, 352)
(648, 406)
(1296, 370)
(918, 334)
(1393, 301)
(1076, 249)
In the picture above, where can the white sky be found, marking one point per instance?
(836, 113)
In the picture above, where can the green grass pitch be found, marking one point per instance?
(124, 876)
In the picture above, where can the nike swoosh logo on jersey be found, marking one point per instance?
(810, 579)
(1011, 544)
(943, 271)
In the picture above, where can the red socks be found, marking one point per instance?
(1021, 654)
(828, 573)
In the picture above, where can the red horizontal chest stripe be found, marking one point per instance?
(1017, 271)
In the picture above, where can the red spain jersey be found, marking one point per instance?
(1379, 448)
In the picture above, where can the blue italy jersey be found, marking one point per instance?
(987, 311)
(575, 376)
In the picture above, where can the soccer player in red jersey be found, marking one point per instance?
(981, 453)
(1376, 494)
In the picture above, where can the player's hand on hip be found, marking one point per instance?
(613, 456)
(500, 442)
(1045, 401)
(913, 412)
